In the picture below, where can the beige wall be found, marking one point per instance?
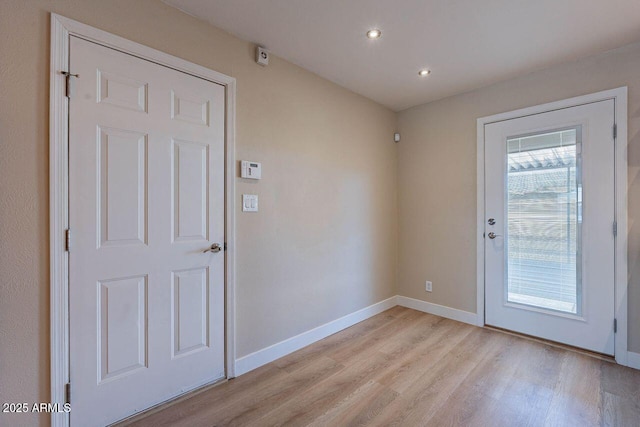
(437, 176)
(325, 241)
(323, 244)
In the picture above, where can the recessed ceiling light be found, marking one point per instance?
(424, 72)
(374, 34)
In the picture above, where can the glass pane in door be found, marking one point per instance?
(544, 205)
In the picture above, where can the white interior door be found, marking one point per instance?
(549, 215)
(146, 192)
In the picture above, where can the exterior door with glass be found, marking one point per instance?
(549, 218)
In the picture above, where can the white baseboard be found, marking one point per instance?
(273, 352)
(269, 354)
(439, 310)
(633, 360)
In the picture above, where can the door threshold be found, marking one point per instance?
(167, 403)
(594, 354)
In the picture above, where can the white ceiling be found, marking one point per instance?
(466, 43)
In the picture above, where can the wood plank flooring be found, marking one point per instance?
(407, 368)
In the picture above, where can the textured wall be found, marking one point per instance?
(437, 176)
(323, 244)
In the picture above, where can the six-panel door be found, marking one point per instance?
(146, 197)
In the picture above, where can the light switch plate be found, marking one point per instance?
(249, 203)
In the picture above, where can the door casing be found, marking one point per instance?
(61, 30)
(619, 96)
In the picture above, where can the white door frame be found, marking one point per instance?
(61, 30)
(619, 96)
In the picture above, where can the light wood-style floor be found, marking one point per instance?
(407, 368)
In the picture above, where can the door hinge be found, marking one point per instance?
(615, 228)
(615, 326)
(67, 393)
(69, 83)
(225, 246)
(67, 239)
(615, 131)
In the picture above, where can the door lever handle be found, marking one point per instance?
(215, 248)
(493, 235)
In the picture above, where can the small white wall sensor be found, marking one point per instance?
(250, 170)
(396, 137)
(262, 56)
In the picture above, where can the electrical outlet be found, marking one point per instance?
(428, 286)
